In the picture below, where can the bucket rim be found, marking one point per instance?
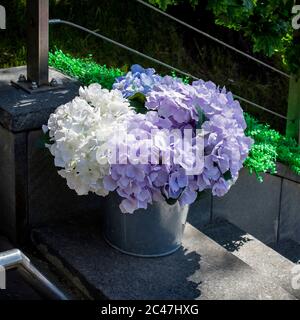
(142, 255)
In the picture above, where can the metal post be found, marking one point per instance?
(37, 50)
(293, 127)
(38, 41)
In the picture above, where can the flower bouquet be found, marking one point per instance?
(152, 145)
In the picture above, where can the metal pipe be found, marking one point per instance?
(214, 39)
(98, 35)
(58, 21)
(38, 41)
(16, 259)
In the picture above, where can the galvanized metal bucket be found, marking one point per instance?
(154, 232)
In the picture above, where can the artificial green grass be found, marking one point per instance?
(270, 146)
(86, 70)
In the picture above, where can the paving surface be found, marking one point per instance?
(268, 260)
(202, 269)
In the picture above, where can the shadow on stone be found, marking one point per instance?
(227, 235)
(107, 273)
(289, 249)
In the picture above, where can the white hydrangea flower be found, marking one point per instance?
(80, 130)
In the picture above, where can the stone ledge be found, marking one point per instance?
(285, 172)
(20, 111)
(201, 270)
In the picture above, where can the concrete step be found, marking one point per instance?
(201, 270)
(289, 249)
(267, 260)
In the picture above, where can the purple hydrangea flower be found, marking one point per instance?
(138, 184)
(175, 105)
(141, 183)
(226, 146)
(136, 80)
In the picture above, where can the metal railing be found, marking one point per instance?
(98, 35)
(213, 38)
(16, 259)
(74, 25)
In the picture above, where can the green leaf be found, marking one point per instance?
(201, 195)
(227, 175)
(171, 202)
(137, 101)
(45, 139)
(249, 4)
(201, 117)
(139, 96)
